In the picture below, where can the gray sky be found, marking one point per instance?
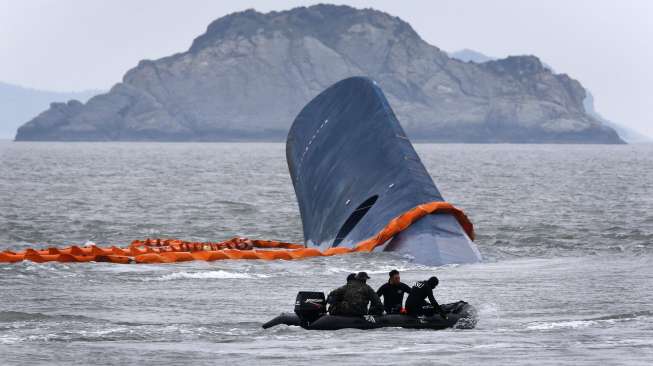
(69, 45)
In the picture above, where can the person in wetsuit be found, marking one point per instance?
(353, 298)
(416, 304)
(393, 293)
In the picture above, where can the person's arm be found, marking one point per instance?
(375, 300)
(405, 288)
(379, 292)
(435, 305)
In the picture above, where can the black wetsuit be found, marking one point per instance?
(416, 302)
(393, 296)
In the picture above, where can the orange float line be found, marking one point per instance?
(152, 258)
(119, 251)
(210, 255)
(274, 255)
(276, 244)
(34, 256)
(336, 251)
(10, 257)
(178, 256)
(114, 259)
(305, 253)
(174, 250)
(75, 258)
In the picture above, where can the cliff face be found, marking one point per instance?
(249, 75)
(18, 104)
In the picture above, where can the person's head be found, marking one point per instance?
(351, 277)
(394, 277)
(433, 282)
(362, 277)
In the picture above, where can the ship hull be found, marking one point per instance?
(354, 169)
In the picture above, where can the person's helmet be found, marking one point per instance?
(351, 277)
(433, 281)
(362, 276)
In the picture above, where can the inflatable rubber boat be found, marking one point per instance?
(310, 314)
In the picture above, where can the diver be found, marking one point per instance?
(416, 302)
(353, 298)
(393, 293)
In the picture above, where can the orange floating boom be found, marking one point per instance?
(175, 250)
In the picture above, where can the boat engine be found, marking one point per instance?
(309, 306)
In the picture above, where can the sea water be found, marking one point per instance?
(566, 232)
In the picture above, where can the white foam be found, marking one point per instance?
(565, 324)
(494, 345)
(220, 274)
(614, 319)
(9, 340)
(379, 270)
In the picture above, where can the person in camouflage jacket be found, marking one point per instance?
(353, 298)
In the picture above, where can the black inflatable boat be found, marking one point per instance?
(310, 314)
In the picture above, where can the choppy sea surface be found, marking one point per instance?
(566, 232)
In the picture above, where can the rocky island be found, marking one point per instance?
(250, 73)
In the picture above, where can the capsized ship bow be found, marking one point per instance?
(354, 169)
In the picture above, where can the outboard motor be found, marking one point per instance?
(309, 306)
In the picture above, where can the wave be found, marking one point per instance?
(19, 316)
(380, 269)
(220, 274)
(562, 324)
(582, 323)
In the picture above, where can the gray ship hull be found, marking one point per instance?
(354, 169)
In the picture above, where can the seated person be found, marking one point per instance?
(416, 302)
(393, 293)
(353, 298)
(335, 296)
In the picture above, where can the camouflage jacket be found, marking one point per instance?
(352, 299)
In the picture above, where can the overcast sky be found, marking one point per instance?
(68, 45)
